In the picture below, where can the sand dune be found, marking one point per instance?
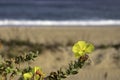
(105, 63)
(97, 35)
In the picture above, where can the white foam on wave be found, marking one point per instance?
(57, 23)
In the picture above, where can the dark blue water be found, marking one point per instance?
(59, 9)
(59, 12)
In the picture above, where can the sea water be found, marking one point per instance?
(59, 12)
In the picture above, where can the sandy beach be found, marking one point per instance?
(58, 42)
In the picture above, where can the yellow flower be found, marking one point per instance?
(36, 73)
(81, 48)
(35, 69)
(38, 70)
(27, 76)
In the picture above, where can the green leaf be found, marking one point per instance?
(74, 72)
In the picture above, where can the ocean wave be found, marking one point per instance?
(58, 23)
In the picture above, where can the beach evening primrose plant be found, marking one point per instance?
(81, 48)
(11, 67)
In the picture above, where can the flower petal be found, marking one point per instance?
(81, 53)
(27, 76)
(76, 48)
(89, 48)
(82, 44)
(37, 77)
(35, 69)
(77, 55)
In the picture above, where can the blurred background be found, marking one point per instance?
(53, 26)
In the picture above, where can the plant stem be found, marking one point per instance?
(71, 70)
